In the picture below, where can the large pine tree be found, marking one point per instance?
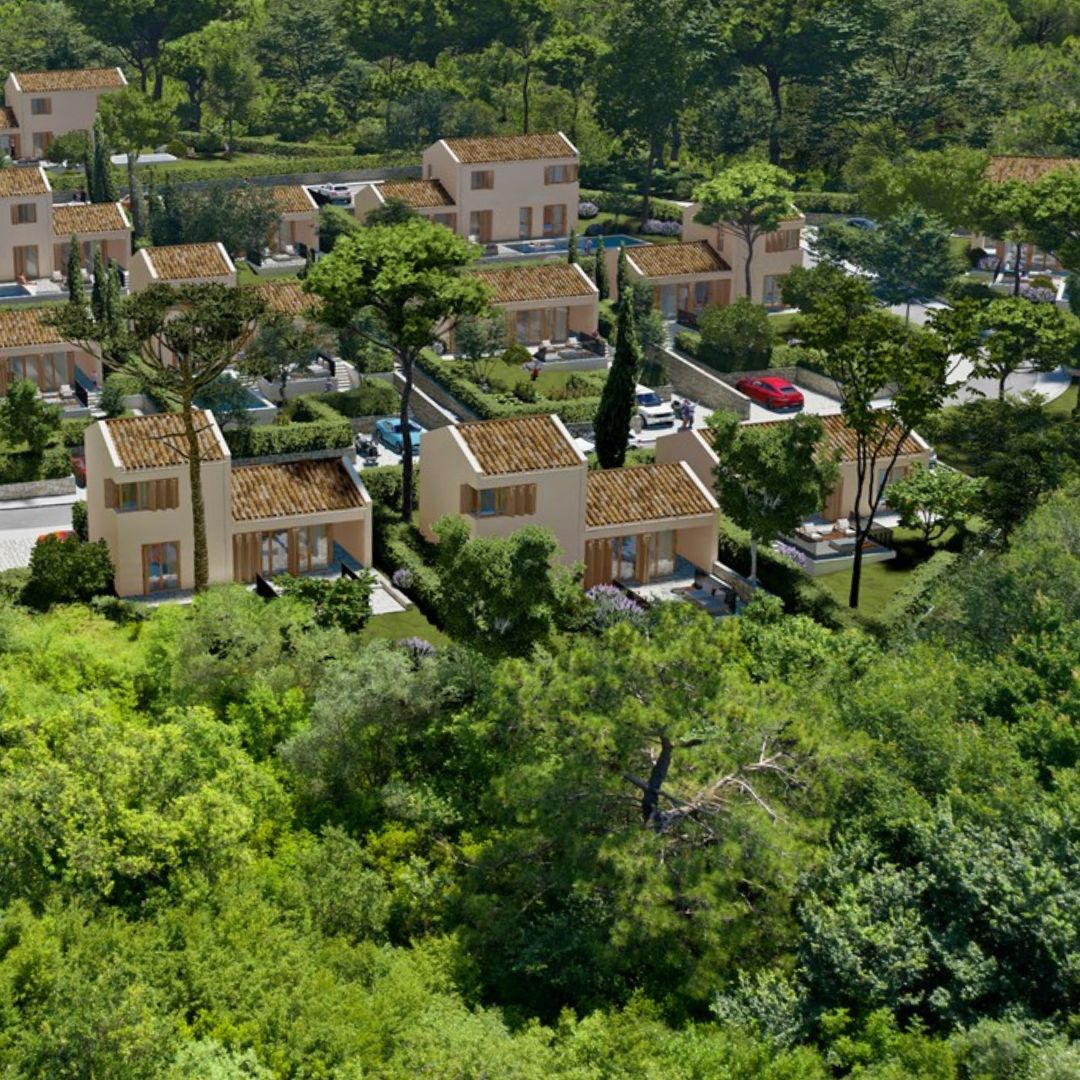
(612, 424)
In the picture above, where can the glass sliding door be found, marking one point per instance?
(161, 567)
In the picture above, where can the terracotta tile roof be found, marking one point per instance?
(20, 327)
(182, 261)
(1027, 169)
(519, 444)
(422, 193)
(296, 487)
(7, 118)
(536, 281)
(82, 218)
(20, 180)
(287, 297)
(668, 260)
(839, 437)
(643, 493)
(157, 441)
(292, 199)
(511, 148)
(36, 82)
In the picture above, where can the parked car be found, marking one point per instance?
(388, 432)
(772, 392)
(864, 223)
(652, 408)
(78, 468)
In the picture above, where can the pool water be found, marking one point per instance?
(559, 247)
(9, 292)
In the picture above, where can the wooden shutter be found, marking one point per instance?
(468, 499)
(172, 498)
(110, 495)
(530, 499)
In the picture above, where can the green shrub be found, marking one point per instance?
(119, 611)
(911, 599)
(13, 584)
(738, 337)
(79, 522)
(372, 397)
(628, 205)
(606, 320)
(525, 391)
(343, 602)
(308, 409)
(964, 288)
(516, 354)
(289, 438)
(688, 341)
(399, 546)
(72, 432)
(383, 483)
(23, 467)
(67, 571)
(113, 392)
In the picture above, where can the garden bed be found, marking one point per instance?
(509, 386)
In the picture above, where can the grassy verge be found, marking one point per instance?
(1064, 405)
(402, 624)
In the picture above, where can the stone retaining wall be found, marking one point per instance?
(38, 489)
(705, 387)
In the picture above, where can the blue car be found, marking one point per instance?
(388, 432)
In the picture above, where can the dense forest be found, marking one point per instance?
(820, 86)
(237, 841)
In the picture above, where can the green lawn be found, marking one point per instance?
(782, 324)
(1064, 405)
(506, 377)
(402, 624)
(880, 582)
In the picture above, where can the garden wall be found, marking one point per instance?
(703, 386)
(38, 489)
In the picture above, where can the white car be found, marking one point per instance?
(651, 407)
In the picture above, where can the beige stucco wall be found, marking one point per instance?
(72, 110)
(560, 495)
(841, 503)
(299, 228)
(733, 249)
(693, 448)
(127, 533)
(517, 184)
(37, 234)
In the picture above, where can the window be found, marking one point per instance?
(560, 174)
(24, 367)
(513, 500)
(449, 220)
(161, 567)
(482, 180)
(525, 223)
(42, 141)
(555, 220)
(41, 106)
(312, 547)
(782, 240)
(142, 495)
(529, 326)
(26, 261)
(480, 225)
(558, 320)
(24, 213)
(773, 297)
(275, 553)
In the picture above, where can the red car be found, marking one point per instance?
(772, 392)
(78, 469)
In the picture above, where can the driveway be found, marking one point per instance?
(23, 521)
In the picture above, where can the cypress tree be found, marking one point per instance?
(104, 184)
(138, 205)
(571, 247)
(99, 289)
(622, 276)
(76, 292)
(88, 169)
(601, 270)
(616, 409)
(112, 298)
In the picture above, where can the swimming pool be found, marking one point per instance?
(585, 244)
(10, 292)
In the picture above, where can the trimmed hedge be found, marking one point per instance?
(826, 202)
(264, 144)
(688, 341)
(72, 432)
(22, 468)
(308, 409)
(913, 597)
(501, 406)
(619, 202)
(372, 397)
(289, 438)
(240, 169)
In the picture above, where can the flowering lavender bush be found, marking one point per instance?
(417, 648)
(587, 210)
(656, 227)
(403, 578)
(611, 605)
(1038, 294)
(792, 554)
